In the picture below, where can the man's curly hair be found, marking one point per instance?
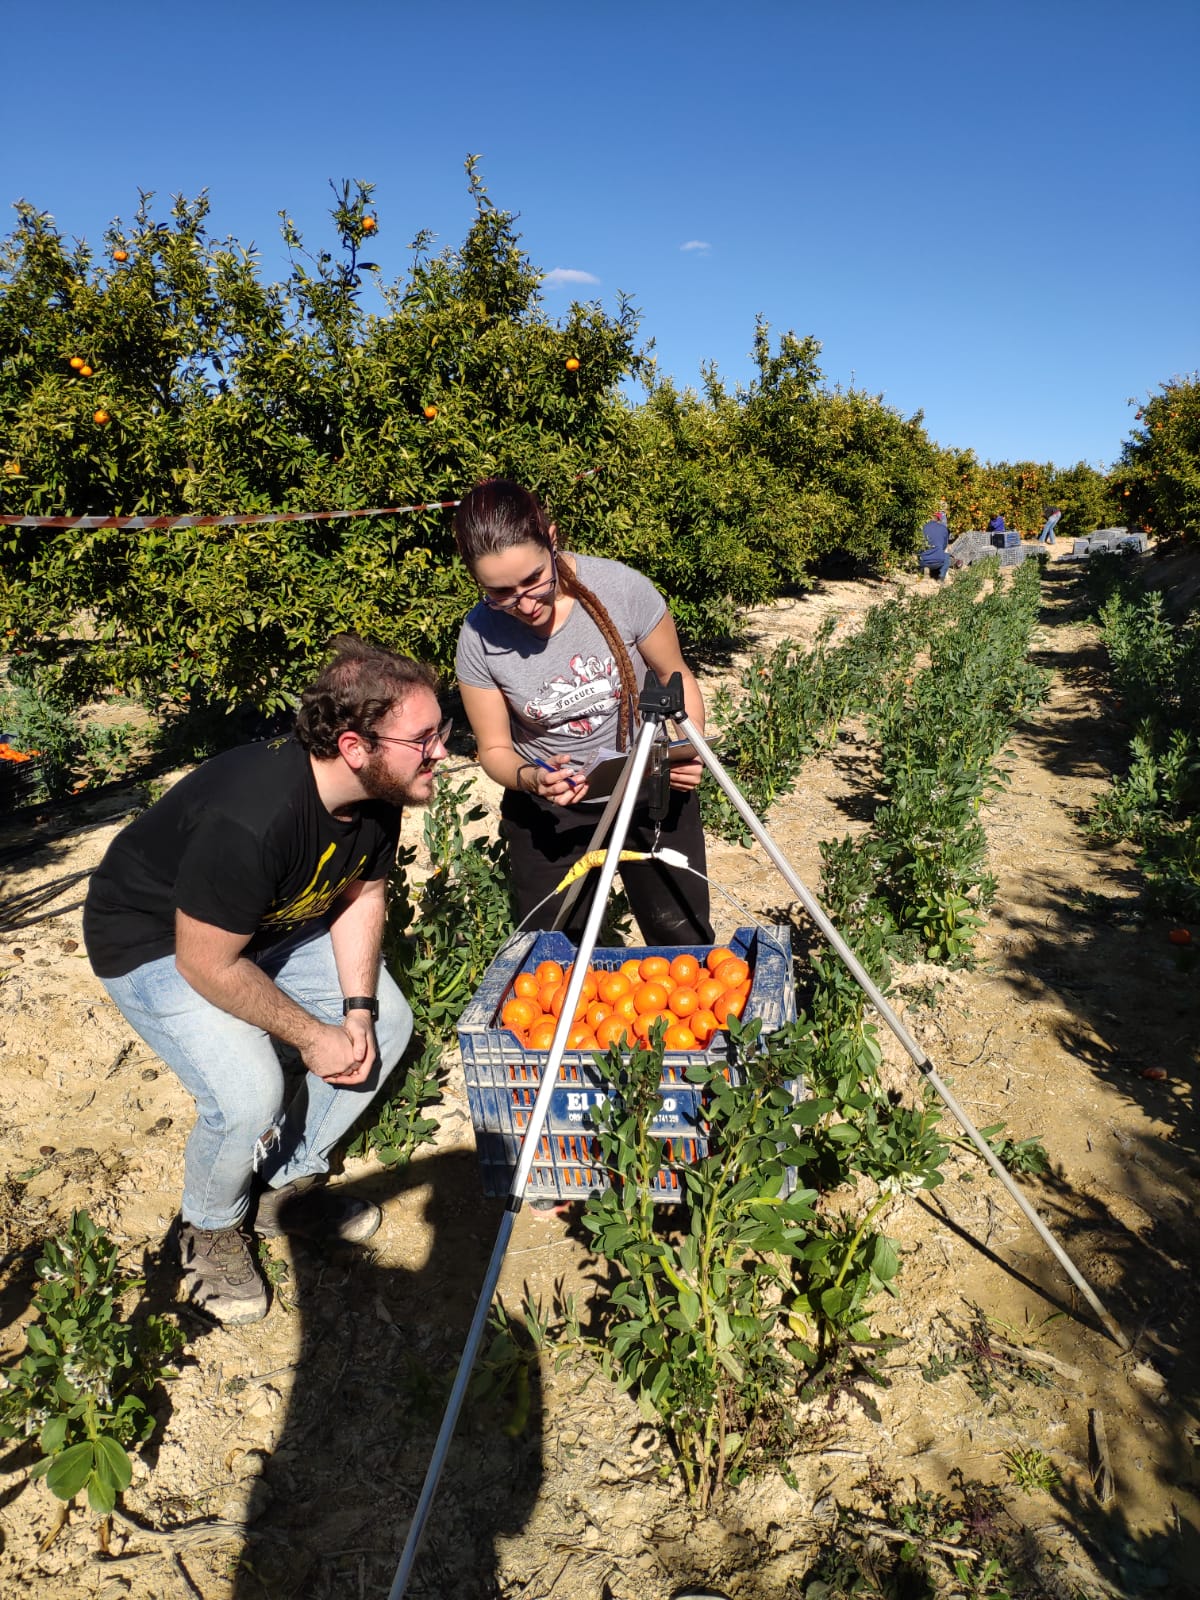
(359, 686)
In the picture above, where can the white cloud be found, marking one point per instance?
(696, 244)
(559, 277)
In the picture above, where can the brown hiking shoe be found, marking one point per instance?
(310, 1210)
(221, 1275)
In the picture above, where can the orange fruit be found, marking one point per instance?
(683, 1002)
(596, 1014)
(654, 967)
(558, 999)
(668, 1017)
(703, 1024)
(729, 1005)
(686, 971)
(632, 970)
(545, 994)
(731, 972)
(679, 1038)
(101, 418)
(642, 1026)
(85, 371)
(709, 992)
(625, 1008)
(612, 986)
(518, 1014)
(77, 362)
(525, 986)
(430, 413)
(614, 1030)
(120, 255)
(715, 956)
(588, 991)
(369, 224)
(541, 1035)
(649, 998)
(581, 1037)
(548, 972)
(572, 363)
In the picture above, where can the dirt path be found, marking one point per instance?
(290, 1454)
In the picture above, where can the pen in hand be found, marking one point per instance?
(546, 767)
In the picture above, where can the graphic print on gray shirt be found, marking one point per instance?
(562, 692)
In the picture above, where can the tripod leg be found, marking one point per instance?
(921, 1060)
(635, 769)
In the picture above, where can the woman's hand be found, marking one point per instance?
(557, 782)
(687, 774)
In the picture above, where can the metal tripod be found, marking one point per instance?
(657, 705)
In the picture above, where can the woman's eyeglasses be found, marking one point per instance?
(427, 745)
(539, 593)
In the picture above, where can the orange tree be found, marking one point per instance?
(1022, 492)
(762, 482)
(1157, 480)
(166, 376)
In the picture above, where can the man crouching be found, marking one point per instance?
(244, 912)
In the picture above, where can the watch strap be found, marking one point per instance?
(361, 1002)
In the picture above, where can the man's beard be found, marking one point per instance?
(380, 784)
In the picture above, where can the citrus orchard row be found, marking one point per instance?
(690, 998)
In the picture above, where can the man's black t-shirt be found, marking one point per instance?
(243, 843)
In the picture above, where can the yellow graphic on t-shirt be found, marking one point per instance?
(315, 899)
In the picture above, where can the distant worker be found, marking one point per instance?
(996, 525)
(242, 915)
(1047, 534)
(936, 555)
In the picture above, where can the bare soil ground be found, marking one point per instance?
(289, 1455)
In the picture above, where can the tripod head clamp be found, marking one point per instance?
(660, 702)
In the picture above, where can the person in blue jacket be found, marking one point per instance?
(996, 525)
(936, 555)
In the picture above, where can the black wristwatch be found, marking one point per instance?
(361, 1002)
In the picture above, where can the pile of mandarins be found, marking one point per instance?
(619, 1005)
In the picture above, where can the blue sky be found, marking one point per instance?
(985, 212)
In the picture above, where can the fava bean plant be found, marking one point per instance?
(1155, 666)
(84, 1384)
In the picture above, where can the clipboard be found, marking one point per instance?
(602, 778)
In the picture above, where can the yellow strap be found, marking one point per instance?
(596, 858)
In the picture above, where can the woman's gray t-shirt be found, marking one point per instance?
(562, 692)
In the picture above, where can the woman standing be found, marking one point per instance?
(550, 665)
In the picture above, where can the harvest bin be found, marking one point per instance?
(502, 1075)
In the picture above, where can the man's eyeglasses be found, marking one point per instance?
(539, 593)
(426, 746)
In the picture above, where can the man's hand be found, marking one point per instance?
(343, 1054)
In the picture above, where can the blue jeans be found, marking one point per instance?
(939, 565)
(234, 1073)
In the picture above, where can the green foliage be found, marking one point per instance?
(218, 391)
(37, 715)
(1030, 1470)
(1156, 668)
(789, 704)
(83, 1384)
(690, 1325)
(1157, 480)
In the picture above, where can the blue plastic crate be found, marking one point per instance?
(502, 1075)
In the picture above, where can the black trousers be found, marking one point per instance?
(545, 840)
